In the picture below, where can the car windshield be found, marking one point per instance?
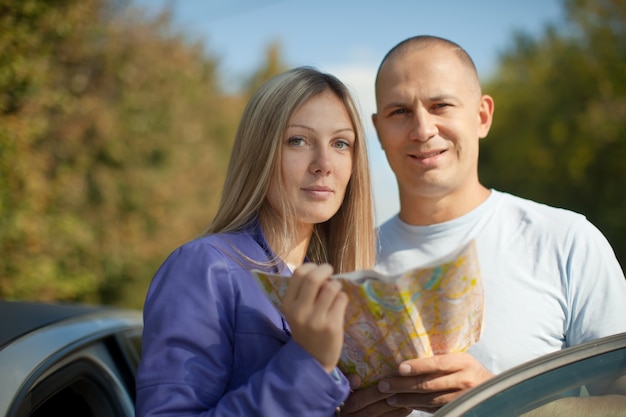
(593, 370)
(595, 376)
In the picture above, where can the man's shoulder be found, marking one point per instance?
(392, 229)
(501, 204)
(511, 204)
(389, 223)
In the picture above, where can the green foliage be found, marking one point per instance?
(559, 134)
(114, 138)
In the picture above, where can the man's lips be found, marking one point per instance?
(426, 155)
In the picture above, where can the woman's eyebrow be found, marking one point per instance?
(344, 129)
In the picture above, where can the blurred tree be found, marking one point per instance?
(273, 65)
(114, 137)
(559, 134)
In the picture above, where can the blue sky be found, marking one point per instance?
(348, 38)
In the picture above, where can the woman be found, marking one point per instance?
(297, 190)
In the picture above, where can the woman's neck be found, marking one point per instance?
(296, 255)
(291, 246)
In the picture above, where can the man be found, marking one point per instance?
(551, 279)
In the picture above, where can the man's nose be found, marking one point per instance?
(423, 125)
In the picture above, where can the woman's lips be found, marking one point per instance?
(318, 191)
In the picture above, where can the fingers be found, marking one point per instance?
(429, 383)
(331, 299)
(354, 380)
(443, 363)
(448, 372)
(425, 384)
(429, 402)
(305, 278)
(315, 306)
(311, 296)
(446, 363)
(367, 402)
(380, 409)
(415, 384)
(371, 402)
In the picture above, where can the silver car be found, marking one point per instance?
(68, 360)
(595, 368)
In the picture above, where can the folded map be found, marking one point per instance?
(422, 312)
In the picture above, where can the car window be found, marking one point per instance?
(598, 375)
(131, 342)
(79, 389)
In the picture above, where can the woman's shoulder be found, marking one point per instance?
(209, 259)
(220, 245)
(218, 239)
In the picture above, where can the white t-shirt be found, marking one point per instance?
(550, 277)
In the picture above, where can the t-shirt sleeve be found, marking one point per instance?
(597, 287)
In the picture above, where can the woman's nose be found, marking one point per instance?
(321, 163)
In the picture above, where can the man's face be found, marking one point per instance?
(429, 122)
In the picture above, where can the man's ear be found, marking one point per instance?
(374, 121)
(485, 115)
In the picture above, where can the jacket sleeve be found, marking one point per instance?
(188, 350)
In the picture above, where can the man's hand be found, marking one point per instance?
(424, 384)
(370, 402)
(429, 383)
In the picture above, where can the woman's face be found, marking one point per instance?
(316, 165)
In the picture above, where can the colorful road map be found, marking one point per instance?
(389, 319)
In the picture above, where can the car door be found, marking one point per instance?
(594, 369)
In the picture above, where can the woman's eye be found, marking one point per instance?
(296, 141)
(341, 144)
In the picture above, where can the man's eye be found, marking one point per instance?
(398, 111)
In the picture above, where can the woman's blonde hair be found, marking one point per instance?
(346, 240)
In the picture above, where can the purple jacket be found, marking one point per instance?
(213, 345)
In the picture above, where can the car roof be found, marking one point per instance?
(23, 317)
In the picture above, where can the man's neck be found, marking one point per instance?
(426, 209)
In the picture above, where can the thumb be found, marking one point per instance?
(354, 381)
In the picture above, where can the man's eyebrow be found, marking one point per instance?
(439, 97)
(395, 104)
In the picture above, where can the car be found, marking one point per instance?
(81, 360)
(593, 368)
(68, 360)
